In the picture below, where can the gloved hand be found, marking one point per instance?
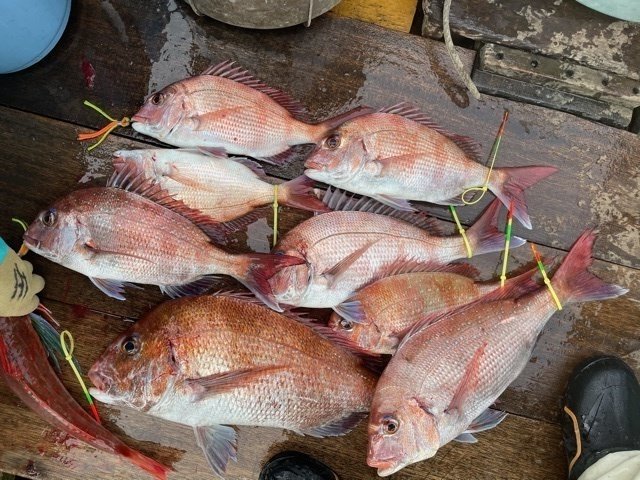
(18, 284)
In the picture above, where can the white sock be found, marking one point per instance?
(615, 466)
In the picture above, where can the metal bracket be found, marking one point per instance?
(559, 84)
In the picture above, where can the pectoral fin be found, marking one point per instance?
(219, 444)
(466, 438)
(335, 428)
(468, 382)
(486, 420)
(343, 265)
(227, 381)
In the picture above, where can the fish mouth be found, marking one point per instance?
(385, 466)
(314, 164)
(31, 242)
(104, 397)
(139, 118)
(102, 386)
(98, 379)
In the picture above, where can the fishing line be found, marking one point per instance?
(104, 132)
(68, 356)
(544, 276)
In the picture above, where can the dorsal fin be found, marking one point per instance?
(341, 200)
(128, 178)
(228, 69)
(467, 145)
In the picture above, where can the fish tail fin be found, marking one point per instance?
(484, 235)
(574, 283)
(260, 267)
(299, 193)
(158, 470)
(322, 129)
(509, 184)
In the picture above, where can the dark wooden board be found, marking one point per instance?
(556, 28)
(597, 110)
(332, 66)
(603, 327)
(33, 449)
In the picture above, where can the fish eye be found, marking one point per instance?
(390, 425)
(333, 141)
(49, 217)
(346, 324)
(131, 345)
(157, 98)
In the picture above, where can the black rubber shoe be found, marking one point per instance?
(604, 396)
(292, 465)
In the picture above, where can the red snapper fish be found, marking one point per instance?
(25, 368)
(449, 370)
(399, 154)
(228, 110)
(377, 317)
(220, 187)
(343, 251)
(214, 361)
(134, 232)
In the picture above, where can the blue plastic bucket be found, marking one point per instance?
(29, 29)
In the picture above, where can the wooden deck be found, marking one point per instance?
(334, 65)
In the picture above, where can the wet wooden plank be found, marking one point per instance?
(34, 450)
(332, 66)
(577, 332)
(558, 28)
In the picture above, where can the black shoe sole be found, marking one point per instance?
(604, 395)
(292, 465)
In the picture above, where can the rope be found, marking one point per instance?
(453, 54)
(68, 356)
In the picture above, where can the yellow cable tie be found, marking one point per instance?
(23, 248)
(547, 282)
(493, 155)
(507, 243)
(99, 110)
(461, 230)
(104, 132)
(68, 356)
(275, 215)
(553, 292)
